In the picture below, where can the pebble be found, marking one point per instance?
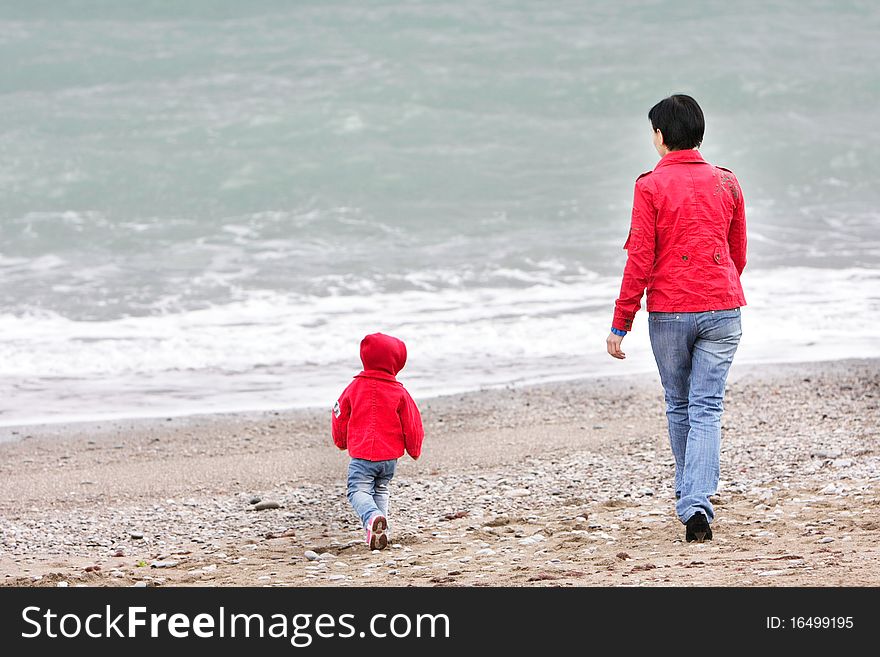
(62, 585)
(255, 500)
(826, 539)
(532, 540)
(139, 585)
(336, 578)
(485, 552)
(163, 564)
(137, 536)
(519, 492)
(263, 506)
(311, 555)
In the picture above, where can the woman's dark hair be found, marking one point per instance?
(680, 119)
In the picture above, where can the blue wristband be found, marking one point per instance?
(618, 332)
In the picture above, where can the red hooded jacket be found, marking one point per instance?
(687, 241)
(375, 418)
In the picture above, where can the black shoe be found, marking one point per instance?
(697, 529)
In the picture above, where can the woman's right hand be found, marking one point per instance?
(613, 344)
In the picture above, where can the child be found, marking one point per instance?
(377, 420)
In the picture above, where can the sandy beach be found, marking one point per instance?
(564, 484)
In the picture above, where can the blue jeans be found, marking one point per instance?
(693, 353)
(368, 487)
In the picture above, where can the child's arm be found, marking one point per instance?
(411, 423)
(339, 423)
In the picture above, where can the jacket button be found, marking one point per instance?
(684, 258)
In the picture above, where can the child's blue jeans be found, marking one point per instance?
(693, 353)
(368, 487)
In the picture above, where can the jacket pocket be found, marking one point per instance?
(721, 254)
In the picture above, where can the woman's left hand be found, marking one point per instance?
(613, 344)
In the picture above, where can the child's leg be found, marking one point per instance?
(361, 488)
(380, 497)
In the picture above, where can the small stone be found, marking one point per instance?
(326, 555)
(519, 492)
(264, 577)
(118, 553)
(255, 500)
(646, 491)
(830, 489)
(117, 573)
(623, 556)
(532, 540)
(598, 426)
(139, 585)
(263, 506)
(62, 585)
(163, 564)
(210, 568)
(485, 552)
(826, 539)
(336, 578)
(311, 555)
(137, 536)
(498, 521)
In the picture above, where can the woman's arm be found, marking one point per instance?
(640, 257)
(736, 236)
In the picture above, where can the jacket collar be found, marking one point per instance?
(376, 374)
(689, 156)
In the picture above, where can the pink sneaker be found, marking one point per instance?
(376, 537)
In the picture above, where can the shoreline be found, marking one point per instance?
(545, 484)
(67, 426)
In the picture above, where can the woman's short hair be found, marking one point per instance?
(680, 119)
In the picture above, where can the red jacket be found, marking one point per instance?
(687, 241)
(375, 418)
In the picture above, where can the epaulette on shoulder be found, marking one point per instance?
(645, 174)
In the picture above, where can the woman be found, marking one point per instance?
(687, 246)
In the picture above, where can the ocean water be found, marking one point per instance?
(205, 205)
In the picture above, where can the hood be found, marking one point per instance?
(383, 353)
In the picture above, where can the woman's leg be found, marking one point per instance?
(672, 340)
(718, 335)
